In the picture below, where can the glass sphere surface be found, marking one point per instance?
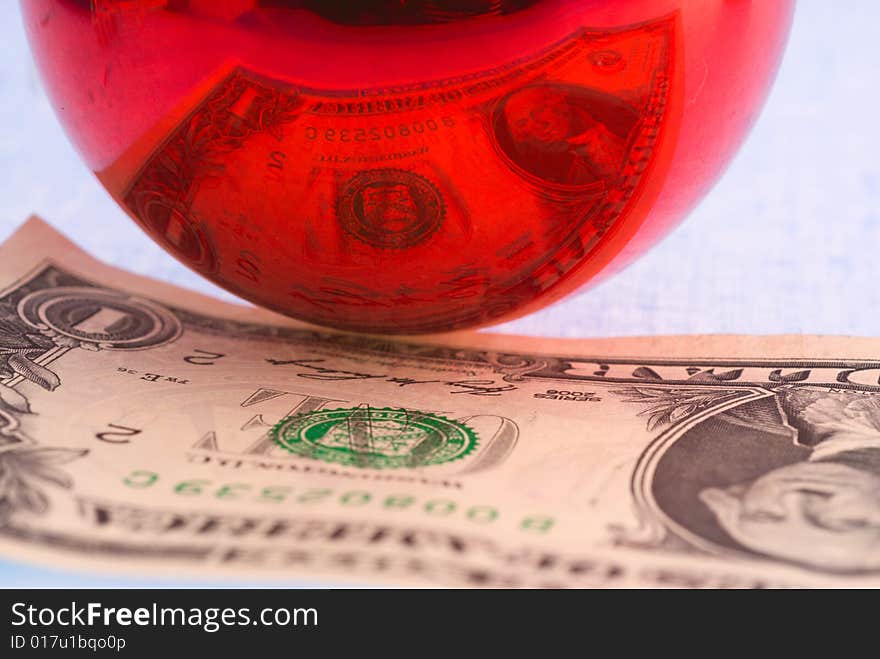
(395, 166)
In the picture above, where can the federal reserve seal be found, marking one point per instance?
(390, 208)
(376, 438)
(101, 319)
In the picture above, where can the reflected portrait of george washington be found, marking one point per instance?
(564, 134)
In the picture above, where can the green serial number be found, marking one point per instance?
(276, 494)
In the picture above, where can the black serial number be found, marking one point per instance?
(582, 396)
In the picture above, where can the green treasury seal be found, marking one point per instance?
(377, 438)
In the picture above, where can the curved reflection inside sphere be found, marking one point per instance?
(406, 166)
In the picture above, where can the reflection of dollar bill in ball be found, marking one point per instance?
(390, 208)
(163, 194)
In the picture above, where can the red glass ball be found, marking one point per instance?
(406, 166)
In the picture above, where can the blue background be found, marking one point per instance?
(787, 241)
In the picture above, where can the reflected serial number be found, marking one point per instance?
(379, 133)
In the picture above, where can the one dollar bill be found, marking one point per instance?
(147, 429)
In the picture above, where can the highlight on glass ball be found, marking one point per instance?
(395, 166)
